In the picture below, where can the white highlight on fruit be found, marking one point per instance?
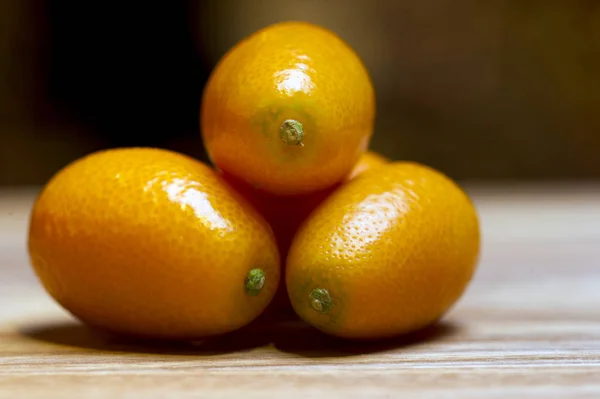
(189, 194)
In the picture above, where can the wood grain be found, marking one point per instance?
(528, 327)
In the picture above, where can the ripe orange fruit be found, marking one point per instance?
(152, 243)
(289, 109)
(386, 254)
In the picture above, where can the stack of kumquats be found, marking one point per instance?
(295, 212)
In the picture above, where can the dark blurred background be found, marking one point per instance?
(483, 90)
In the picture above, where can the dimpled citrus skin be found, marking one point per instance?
(394, 248)
(151, 243)
(288, 71)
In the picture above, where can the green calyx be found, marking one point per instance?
(254, 281)
(291, 132)
(320, 300)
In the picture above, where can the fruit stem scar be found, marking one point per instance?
(291, 132)
(320, 300)
(254, 281)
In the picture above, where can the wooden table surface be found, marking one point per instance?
(528, 326)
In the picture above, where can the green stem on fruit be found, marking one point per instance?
(254, 282)
(320, 300)
(291, 132)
